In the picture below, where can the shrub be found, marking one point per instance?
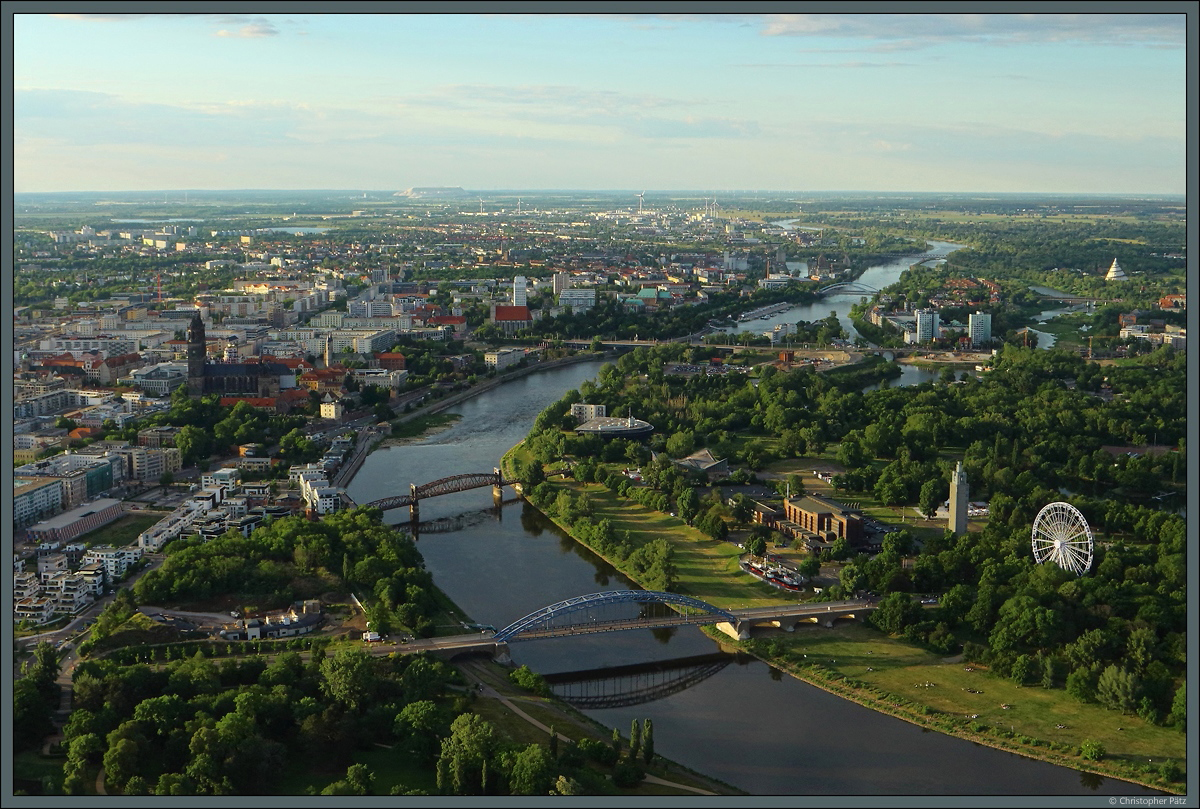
(627, 775)
(599, 752)
(1091, 750)
(529, 680)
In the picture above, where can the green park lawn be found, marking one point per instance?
(903, 669)
(707, 568)
(120, 532)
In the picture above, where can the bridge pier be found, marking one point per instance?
(497, 488)
(738, 631)
(414, 508)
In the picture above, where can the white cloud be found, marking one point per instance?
(257, 28)
(910, 31)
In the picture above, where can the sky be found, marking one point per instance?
(1039, 103)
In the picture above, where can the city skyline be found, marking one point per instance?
(947, 102)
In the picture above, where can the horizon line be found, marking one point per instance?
(736, 192)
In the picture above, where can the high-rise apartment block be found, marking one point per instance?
(928, 325)
(979, 326)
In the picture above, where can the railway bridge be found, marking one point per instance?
(447, 485)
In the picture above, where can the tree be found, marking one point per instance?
(531, 771)
(756, 546)
(850, 453)
(422, 723)
(358, 781)
(194, 444)
(681, 443)
(1178, 714)
(932, 496)
(741, 510)
(349, 678)
(120, 762)
(647, 741)
(895, 612)
(1117, 688)
(466, 753)
(688, 504)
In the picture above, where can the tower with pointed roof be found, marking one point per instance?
(959, 492)
(196, 353)
(1115, 273)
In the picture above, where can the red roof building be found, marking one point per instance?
(511, 319)
(391, 360)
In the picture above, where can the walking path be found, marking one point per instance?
(487, 691)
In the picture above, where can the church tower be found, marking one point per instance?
(196, 355)
(959, 493)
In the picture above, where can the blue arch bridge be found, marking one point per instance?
(609, 611)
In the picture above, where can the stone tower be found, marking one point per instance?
(196, 355)
(959, 494)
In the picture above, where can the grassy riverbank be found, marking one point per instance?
(420, 426)
(861, 664)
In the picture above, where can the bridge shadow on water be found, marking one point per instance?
(639, 683)
(449, 525)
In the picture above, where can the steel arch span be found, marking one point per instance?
(454, 483)
(545, 615)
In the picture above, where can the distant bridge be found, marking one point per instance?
(847, 286)
(448, 485)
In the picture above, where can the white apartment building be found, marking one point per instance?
(115, 561)
(170, 527)
(928, 325)
(503, 357)
(518, 291)
(112, 346)
(35, 499)
(68, 591)
(380, 377)
(578, 299)
(377, 308)
(36, 610)
(979, 328)
(225, 476)
(586, 412)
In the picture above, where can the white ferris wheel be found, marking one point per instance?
(1061, 535)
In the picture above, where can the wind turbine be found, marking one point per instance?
(641, 198)
(481, 204)
(518, 205)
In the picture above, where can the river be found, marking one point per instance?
(746, 725)
(877, 277)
